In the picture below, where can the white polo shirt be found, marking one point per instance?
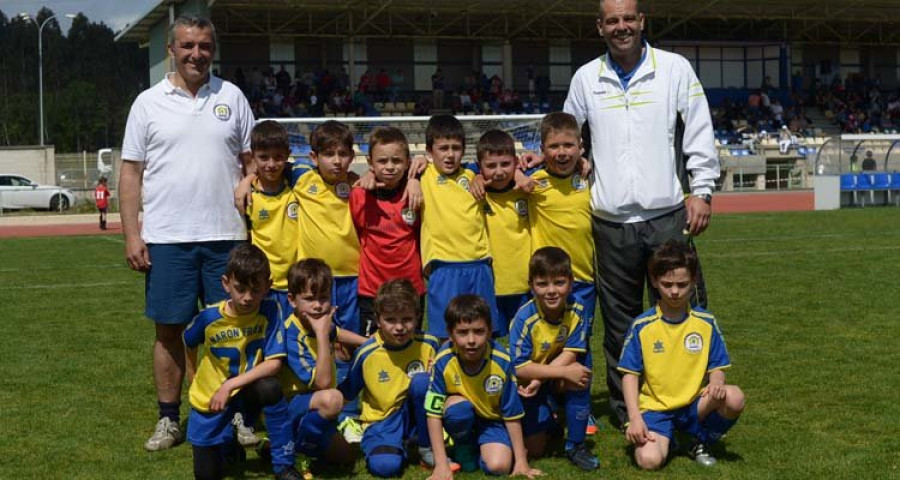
(633, 135)
(190, 147)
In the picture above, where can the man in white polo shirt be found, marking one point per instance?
(646, 113)
(187, 143)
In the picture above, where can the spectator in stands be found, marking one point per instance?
(784, 140)
(383, 84)
(283, 80)
(777, 111)
(754, 101)
(465, 101)
(256, 84)
(437, 88)
(868, 164)
(397, 81)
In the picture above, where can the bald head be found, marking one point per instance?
(603, 3)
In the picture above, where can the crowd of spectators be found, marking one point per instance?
(858, 104)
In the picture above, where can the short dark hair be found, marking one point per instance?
(559, 122)
(311, 274)
(397, 295)
(467, 308)
(444, 126)
(387, 135)
(672, 255)
(331, 134)
(549, 262)
(191, 20)
(248, 265)
(269, 135)
(495, 142)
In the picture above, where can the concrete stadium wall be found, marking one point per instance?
(35, 162)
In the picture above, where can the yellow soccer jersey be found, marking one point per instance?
(673, 357)
(381, 373)
(560, 211)
(492, 390)
(231, 346)
(453, 227)
(532, 339)
(301, 347)
(325, 226)
(509, 234)
(273, 228)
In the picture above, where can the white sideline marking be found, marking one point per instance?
(67, 285)
(797, 237)
(113, 239)
(111, 266)
(767, 253)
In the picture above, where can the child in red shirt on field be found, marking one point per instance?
(387, 226)
(101, 196)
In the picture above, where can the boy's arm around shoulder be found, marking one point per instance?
(268, 368)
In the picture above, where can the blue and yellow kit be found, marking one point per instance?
(301, 347)
(533, 339)
(673, 357)
(381, 373)
(453, 227)
(325, 226)
(273, 228)
(231, 346)
(492, 390)
(509, 236)
(560, 212)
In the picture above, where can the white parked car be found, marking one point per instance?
(17, 192)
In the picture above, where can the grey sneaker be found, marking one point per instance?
(426, 459)
(167, 435)
(698, 452)
(244, 434)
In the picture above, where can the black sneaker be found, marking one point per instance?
(582, 457)
(699, 453)
(291, 474)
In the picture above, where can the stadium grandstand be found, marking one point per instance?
(784, 79)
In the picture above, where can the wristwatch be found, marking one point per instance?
(705, 197)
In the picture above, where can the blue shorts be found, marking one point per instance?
(585, 294)
(344, 296)
(491, 431)
(390, 432)
(184, 275)
(298, 407)
(684, 419)
(448, 281)
(281, 297)
(210, 429)
(508, 306)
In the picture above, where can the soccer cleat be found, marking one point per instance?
(351, 430)
(293, 474)
(426, 459)
(244, 434)
(264, 450)
(698, 453)
(167, 434)
(582, 457)
(466, 455)
(592, 428)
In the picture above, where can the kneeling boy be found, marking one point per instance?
(674, 348)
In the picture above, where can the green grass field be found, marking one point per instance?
(805, 301)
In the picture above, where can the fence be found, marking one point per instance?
(79, 172)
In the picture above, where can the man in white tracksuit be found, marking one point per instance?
(651, 143)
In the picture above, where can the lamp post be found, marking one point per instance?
(26, 16)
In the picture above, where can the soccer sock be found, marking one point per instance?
(715, 426)
(278, 424)
(578, 409)
(170, 409)
(315, 430)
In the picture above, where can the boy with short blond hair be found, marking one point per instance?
(673, 363)
(272, 213)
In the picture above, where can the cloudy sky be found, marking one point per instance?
(114, 13)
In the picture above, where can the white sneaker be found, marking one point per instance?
(167, 435)
(244, 434)
(351, 430)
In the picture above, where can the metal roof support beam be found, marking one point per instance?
(535, 18)
(674, 25)
(831, 15)
(371, 17)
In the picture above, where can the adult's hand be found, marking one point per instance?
(131, 178)
(698, 215)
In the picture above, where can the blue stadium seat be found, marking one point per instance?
(848, 184)
(881, 182)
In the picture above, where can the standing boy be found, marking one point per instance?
(506, 218)
(455, 250)
(473, 396)
(669, 352)
(101, 196)
(548, 343)
(388, 228)
(272, 214)
(243, 347)
(390, 370)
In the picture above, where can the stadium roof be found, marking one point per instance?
(853, 22)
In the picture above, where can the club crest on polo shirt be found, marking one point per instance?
(493, 384)
(408, 215)
(693, 342)
(222, 111)
(522, 207)
(292, 210)
(342, 190)
(463, 182)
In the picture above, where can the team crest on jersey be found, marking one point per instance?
(693, 342)
(563, 333)
(292, 210)
(222, 111)
(493, 384)
(408, 215)
(263, 214)
(342, 190)
(383, 377)
(463, 182)
(313, 189)
(414, 367)
(578, 182)
(522, 207)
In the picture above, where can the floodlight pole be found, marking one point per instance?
(25, 16)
